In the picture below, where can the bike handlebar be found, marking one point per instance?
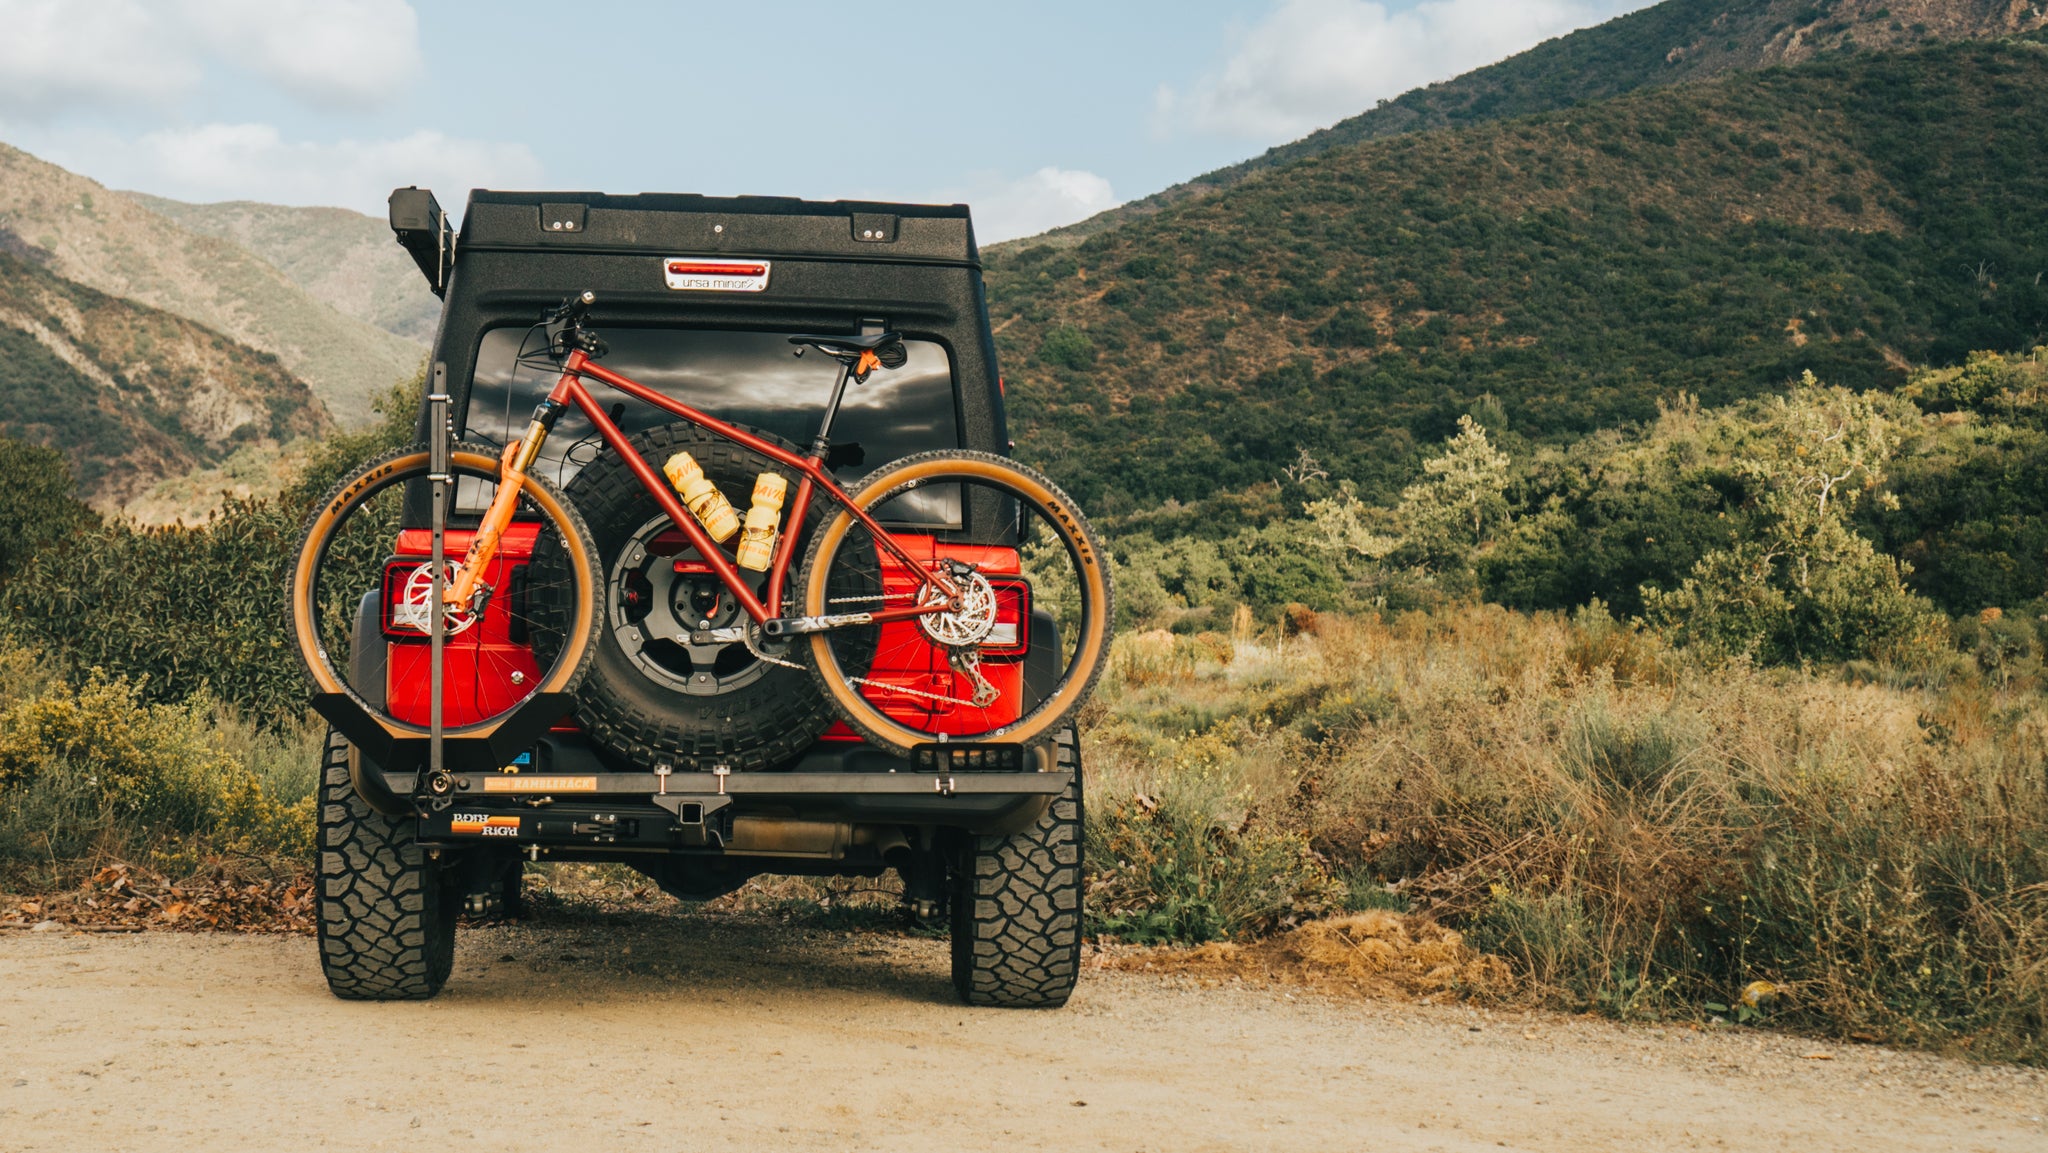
(565, 326)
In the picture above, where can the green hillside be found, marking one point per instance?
(131, 395)
(1671, 43)
(110, 242)
(342, 258)
(1560, 273)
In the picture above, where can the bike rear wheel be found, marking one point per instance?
(361, 596)
(1035, 628)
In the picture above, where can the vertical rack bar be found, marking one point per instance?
(439, 434)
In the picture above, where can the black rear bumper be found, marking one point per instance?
(566, 795)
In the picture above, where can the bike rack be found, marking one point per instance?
(402, 751)
(396, 749)
(438, 447)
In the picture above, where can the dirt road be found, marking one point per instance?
(695, 1032)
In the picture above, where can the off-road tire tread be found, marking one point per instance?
(760, 725)
(1017, 906)
(386, 920)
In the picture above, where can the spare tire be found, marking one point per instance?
(652, 696)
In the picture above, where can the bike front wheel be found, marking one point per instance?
(361, 596)
(1020, 652)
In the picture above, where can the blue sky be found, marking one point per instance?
(1036, 113)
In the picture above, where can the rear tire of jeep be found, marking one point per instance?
(1017, 905)
(385, 912)
(638, 704)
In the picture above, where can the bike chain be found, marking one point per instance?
(984, 692)
(978, 701)
(981, 682)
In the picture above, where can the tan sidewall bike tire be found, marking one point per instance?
(397, 468)
(1091, 567)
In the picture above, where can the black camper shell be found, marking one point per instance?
(837, 266)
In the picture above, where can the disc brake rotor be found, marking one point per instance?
(411, 610)
(970, 622)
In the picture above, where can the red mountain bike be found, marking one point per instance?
(522, 607)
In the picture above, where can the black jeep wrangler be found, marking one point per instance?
(668, 691)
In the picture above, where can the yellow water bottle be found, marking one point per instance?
(702, 497)
(757, 542)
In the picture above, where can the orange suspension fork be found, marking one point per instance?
(483, 547)
(518, 457)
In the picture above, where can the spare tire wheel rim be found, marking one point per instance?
(652, 609)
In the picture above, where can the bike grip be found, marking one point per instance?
(573, 307)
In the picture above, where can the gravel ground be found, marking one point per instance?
(700, 1031)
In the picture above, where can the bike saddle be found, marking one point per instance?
(849, 347)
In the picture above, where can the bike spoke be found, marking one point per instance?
(987, 658)
(369, 591)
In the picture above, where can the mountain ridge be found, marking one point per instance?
(1565, 270)
(1705, 38)
(339, 256)
(132, 394)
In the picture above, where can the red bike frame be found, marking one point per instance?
(569, 389)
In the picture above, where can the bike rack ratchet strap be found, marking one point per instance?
(440, 437)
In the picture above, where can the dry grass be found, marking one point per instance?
(1378, 953)
(1626, 829)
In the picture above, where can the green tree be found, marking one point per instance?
(36, 506)
(1068, 348)
(1348, 528)
(1802, 584)
(1446, 516)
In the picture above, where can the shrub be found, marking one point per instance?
(1067, 348)
(93, 771)
(36, 506)
(1164, 870)
(183, 610)
(1803, 585)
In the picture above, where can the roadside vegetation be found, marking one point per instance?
(1632, 829)
(151, 709)
(1775, 763)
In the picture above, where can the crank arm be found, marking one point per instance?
(724, 636)
(798, 626)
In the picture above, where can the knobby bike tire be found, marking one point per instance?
(410, 465)
(1091, 569)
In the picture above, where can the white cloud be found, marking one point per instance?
(1313, 62)
(253, 162)
(351, 53)
(59, 56)
(1047, 198)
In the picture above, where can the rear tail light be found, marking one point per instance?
(1011, 635)
(400, 616)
